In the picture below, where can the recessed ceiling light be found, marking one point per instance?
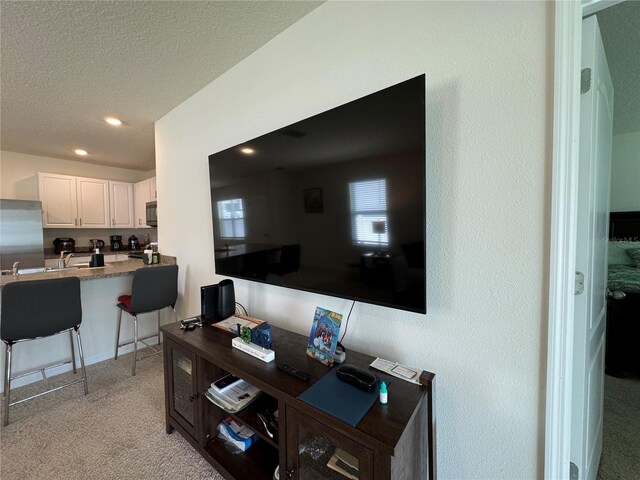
(116, 122)
(247, 150)
(79, 151)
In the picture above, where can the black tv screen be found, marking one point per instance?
(333, 204)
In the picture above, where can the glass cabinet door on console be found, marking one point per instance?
(317, 452)
(183, 395)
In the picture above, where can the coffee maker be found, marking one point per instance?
(116, 242)
(64, 245)
(133, 243)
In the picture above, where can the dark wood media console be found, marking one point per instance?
(393, 441)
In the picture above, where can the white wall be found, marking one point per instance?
(489, 99)
(625, 173)
(18, 173)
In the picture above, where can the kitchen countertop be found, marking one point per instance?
(113, 269)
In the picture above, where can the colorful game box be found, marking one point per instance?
(324, 335)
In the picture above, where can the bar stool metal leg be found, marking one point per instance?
(7, 385)
(158, 327)
(135, 344)
(6, 354)
(81, 353)
(73, 353)
(118, 333)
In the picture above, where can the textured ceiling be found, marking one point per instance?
(620, 29)
(66, 65)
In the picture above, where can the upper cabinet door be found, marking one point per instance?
(59, 200)
(153, 189)
(142, 195)
(121, 204)
(93, 203)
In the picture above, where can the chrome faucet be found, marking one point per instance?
(14, 268)
(63, 262)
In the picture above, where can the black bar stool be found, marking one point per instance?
(153, 289)
(36, 309)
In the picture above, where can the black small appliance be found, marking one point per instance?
(358, 377)
(217, 301)
(64, 245)
(97, 260)
(152, 213)
(133, 243)
(116, 242)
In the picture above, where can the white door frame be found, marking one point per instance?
(564, 211)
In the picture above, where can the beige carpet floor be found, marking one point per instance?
(118, 432)
(115, 432)
(621, 433)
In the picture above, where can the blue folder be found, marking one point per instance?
(340, 399)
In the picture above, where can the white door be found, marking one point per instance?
(153, 189)
(93, 203)
(59, 201)
(121, 199)
(596, 123)
(142, 195)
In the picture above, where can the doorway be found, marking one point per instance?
(564, 236)
(620, 30)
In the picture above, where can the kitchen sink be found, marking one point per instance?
(86, 265)
(56, 269)
(77, 266)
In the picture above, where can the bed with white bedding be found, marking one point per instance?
(622, 355)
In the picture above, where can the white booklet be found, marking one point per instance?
(238, 392)
(234, 398)
(411, 375)
(231, 323)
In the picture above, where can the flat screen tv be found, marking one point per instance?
(332, 204)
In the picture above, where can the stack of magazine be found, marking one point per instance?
(231, 393)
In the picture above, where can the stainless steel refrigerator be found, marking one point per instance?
(21, 236)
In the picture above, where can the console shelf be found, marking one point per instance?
(249, 416)
(259, 462)
(396, 441)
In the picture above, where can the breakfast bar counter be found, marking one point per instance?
(112, 269)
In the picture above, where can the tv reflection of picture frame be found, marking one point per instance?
(313, 200)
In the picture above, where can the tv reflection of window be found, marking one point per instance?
(369, 212)
(231, 215)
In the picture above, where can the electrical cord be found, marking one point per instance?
(346, 325)
(240, 309)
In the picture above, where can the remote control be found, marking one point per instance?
(285, 367)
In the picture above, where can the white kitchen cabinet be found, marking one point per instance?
(58, 195)
(153, 189)
(143, 192)
(121, 200)
(73, 201)
(79, 202)
(93, 202)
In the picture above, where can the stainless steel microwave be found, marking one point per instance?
(152, 214)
